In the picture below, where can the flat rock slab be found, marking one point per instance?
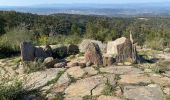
(90, 71)
(87, 86)
(134, 79)
(61, 84)
(103, 97)
(76, 72)
(121, 70)
(151, 92)
(39, 79)
(163, 81)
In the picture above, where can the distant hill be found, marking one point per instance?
(118, 10)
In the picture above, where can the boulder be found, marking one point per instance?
(84, 44)
(93, 54)
(72, 49)
(39, 52)
(50, 62)
(60, 51)
(27, 51)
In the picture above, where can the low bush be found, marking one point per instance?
(10, 42)
(10, 89)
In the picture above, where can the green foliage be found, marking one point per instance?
(30, 67)
(59, 96)
(72, 79)
(158, 69)
(155, 43)
(2, 25)
(108, 90)
(88, 97)
(10, 89)
(10, 42)
(167, 97)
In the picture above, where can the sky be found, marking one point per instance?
(37, 2)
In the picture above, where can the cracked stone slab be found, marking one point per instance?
(103, 97)
(158, 79)
(121, 70)
(134, 79)
(150, 92)
(38, 79)
(87, 86)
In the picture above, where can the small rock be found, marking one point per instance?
(60, 65)
(88, 64)
(166, 91)
(127, 63)
(90, 71)
(148, 70)
(82, 65)
(118, 92)
(72, 64)
(50, 62)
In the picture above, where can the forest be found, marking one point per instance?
(15, 27)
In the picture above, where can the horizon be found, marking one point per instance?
(65, 2)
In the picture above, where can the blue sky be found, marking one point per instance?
(35, 2)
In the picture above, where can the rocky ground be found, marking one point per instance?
(118, 82)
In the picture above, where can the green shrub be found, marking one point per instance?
(10, 90)
(10, 42)
(155, 43)
(108, 90)
(30, 67)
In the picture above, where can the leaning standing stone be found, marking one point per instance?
(27, 51)
(93, 54)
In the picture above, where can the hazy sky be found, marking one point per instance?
(35, 2)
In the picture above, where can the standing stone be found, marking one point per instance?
(123, 49)
(93, 54)
(27, 51)
(126, 52)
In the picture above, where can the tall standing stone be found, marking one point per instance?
(93, 54)
(27, 51)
